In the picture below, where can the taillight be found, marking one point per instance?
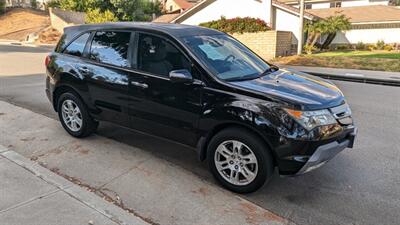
(47, 61)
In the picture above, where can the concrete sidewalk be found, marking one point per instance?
(136, 180)
(31, 194)
(365, 76)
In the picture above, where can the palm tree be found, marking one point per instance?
(329, 26)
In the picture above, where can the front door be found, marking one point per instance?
(168, 109)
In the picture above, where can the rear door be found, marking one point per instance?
(107, 71)
(168, 109)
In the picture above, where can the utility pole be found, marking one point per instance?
(301, 28)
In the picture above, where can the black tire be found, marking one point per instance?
(89, 125)
(257, 146)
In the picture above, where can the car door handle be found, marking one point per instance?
(84, 69)
(138, 84)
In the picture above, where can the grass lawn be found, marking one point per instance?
(367, 60)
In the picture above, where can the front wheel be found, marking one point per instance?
(74, 116)
(239, 160)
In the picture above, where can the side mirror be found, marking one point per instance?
(180, 76)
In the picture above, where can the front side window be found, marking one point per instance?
(158, 56)
(111, 47)
(226, 58)
(77, 46)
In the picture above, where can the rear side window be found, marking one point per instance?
(77, 46)
(111, 47)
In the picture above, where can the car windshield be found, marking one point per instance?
(227, 58)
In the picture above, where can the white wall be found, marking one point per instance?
(363, 3)
(370, 36)
(287, 22)
(231, 9)
(323, 5)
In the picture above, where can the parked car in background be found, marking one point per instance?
(204, 89)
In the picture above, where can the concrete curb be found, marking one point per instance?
(26, 44)
(358, 79)
(352, 75)
(89, 199)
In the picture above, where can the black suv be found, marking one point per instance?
(204, 89)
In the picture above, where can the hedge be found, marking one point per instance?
(238, 25)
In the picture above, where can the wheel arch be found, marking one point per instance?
(202, 145)
(61, 89)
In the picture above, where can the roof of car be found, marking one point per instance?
(176, 30)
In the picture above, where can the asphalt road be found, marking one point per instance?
(359, 186)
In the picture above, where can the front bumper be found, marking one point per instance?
(326, 152)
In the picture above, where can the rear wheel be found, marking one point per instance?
(239, 160)
(74, 116)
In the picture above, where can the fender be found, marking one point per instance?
(67, 76)
(236, 110)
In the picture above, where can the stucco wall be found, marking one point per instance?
(287, 22)
(269, 44)
(371, 36)
(61, 18)
(171, 3)
(230, 9)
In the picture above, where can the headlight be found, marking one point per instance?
(311, 119)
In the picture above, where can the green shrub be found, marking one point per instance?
(2, 6)
(237, 25)
(96, 16)
(309, 49)
(361, 46)
(53, 4)
(343, 47)
(371, 47)
(34, 4)
(388, 48)
(380, 45)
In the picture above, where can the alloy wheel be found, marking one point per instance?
(71, 115)
(236, 162)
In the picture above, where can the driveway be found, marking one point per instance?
(359, 186)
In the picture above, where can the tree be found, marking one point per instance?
(2, 6)
(136, 10)
(335, 24)
(122, 10)
(329, 26)
(394, 2)
(96, 16)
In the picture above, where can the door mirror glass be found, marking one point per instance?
(180, 76)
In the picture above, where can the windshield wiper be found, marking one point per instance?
(271, 69)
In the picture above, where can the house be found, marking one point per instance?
(372, 20)
(172, 8)
(369, 24)
(325, 4)
(278, 15)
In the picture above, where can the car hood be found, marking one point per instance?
(301, 89)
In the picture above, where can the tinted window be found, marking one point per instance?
(77, 46)
(156, 55)
(111, 47)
